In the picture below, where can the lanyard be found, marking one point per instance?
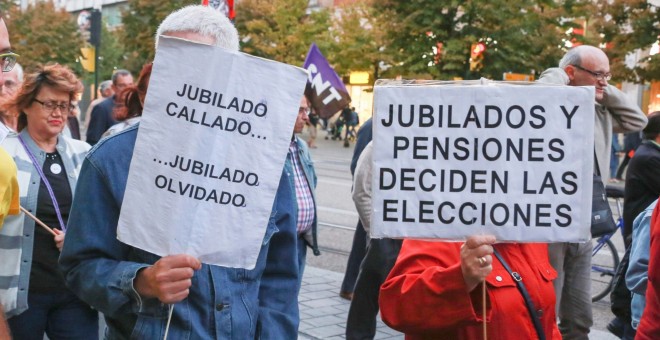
(43, 178)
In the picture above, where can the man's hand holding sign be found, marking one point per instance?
(168, 279)
(484, 164)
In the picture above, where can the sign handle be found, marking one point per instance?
(483, 308)
(38, 221)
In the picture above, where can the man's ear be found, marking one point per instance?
(570, 71)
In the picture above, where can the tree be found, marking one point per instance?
(281, 30)
(112, 55)
(43, 34)
(626, 26)
(434, 37)
(141, 21)
(358, 40)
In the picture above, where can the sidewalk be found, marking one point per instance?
(323, 313)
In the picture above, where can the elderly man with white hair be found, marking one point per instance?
(131, 287)
(8, 88)
(614, 112)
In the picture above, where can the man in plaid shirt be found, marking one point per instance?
(294, 214)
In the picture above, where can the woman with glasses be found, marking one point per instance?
(35, 298)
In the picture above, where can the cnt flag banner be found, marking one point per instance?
(453, 160)
(209, 153)
(325, 90)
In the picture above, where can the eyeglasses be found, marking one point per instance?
(304, 110)
(50, 106)
(8, 60)
(598, 75)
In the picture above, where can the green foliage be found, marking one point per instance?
(140, 22)
(625, 26)
(112, 54)
(42, 34)
(522, 36)
(358, 40)
(281, 30)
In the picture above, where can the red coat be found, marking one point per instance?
(649, 325)
(425, 295)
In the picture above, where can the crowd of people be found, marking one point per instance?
(62, 263)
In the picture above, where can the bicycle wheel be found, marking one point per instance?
(603, 268)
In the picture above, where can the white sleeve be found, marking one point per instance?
(362, 186)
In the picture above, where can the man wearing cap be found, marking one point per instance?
(587, 66)
(137, 290)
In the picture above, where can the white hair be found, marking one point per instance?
(575, 55)
(203, 20)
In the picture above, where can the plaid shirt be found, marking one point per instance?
(303, 193)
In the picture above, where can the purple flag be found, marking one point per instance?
(325, 90)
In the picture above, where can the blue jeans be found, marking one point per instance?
(59, 315)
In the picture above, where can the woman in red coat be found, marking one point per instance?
(649, 324)
(435, 290)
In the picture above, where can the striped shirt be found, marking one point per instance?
(304, 197)
(17, 233)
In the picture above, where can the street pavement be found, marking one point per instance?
(323, 313)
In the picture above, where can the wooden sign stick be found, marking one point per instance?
(38, 221)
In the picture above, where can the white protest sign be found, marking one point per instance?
(209, 153)
(508, 160)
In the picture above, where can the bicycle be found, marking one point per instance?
(605, 258)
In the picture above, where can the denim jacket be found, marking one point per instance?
(279, 317)
(637, 275)
(223, 302)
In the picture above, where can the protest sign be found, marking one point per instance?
(508, 160)
(209, 153)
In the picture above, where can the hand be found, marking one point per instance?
(476, 259)
(169, 279)
(59, 239)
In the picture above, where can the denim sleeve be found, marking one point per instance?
(637, 274)
(93, 260)
(278, 290)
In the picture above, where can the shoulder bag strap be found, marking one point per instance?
(528, 300)
(45, 180)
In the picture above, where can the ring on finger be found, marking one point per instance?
(482, 261)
